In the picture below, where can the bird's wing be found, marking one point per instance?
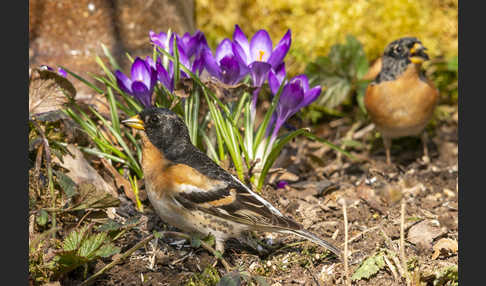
(231, 199)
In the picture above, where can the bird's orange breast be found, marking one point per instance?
(165, 177)
(402, 106)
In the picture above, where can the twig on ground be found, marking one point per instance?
(47, 157)
(403, 258)
(392, 268)
(346, 270)
(362, 233)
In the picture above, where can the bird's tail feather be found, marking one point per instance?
(312, 237)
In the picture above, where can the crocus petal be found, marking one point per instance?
(153, 77)
(273, 82)
(281, 49)
(310, 96)
(230, 70)
(158, 39)
(282, 184)
(224, 48)
(201, 44)
(240, 54)
(280, 72)
(164, 77)
(197, 65)
(210, 63)
(259, 72)
(240, 38)
(124, 83)
(184, 60)
(62, 72)
(141, 71)
(150, 62)
(302, 80)
(261, 46)
(142, 93)
(292, 95)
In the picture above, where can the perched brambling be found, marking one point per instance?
(401, 100)
(191, 192)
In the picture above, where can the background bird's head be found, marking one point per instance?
(163, 127)
(406, 49)
(398, 55)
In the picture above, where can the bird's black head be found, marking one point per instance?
(398, 55)
(408, 49)
(163, 127)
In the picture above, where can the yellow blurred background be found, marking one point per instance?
(316, 25)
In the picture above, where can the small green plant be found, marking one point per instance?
(340, 73)
(369, 267)
(80, 247)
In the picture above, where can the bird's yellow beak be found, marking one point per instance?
(134, 122)
(417, 54)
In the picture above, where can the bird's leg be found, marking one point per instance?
(425, 139)
(387, 143)
(252, 241)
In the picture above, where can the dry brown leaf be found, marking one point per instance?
(228, 92)
(121, 182)
(424, 232)
(444, 245)
(80, 171)
(47, 92)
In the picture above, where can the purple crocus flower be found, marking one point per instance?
(226, 65)
(60, 71)
(282, 184)
(142, 81)
(260, 47)
(192, 45)
(160, 40)
(260, 57)
(195, 66)
(166, 77)
(296, 94)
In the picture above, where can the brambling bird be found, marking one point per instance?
(401, 100)
(191, 192)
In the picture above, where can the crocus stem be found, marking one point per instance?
(269, 146)
(253, 104)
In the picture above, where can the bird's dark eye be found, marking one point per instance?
(398, 49)
(153, 120)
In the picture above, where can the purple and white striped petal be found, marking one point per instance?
(261, 46)
(281, 49)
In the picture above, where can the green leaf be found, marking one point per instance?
(369, 267)
(73, 241)
(42, 218)
(230, 279)
(111, 225)
(94, 198)
(91, 245)
(67, 184)
(108, 249)
(195, 241)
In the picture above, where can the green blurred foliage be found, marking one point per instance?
(444, 73)
(317, 25)
(340, 75)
